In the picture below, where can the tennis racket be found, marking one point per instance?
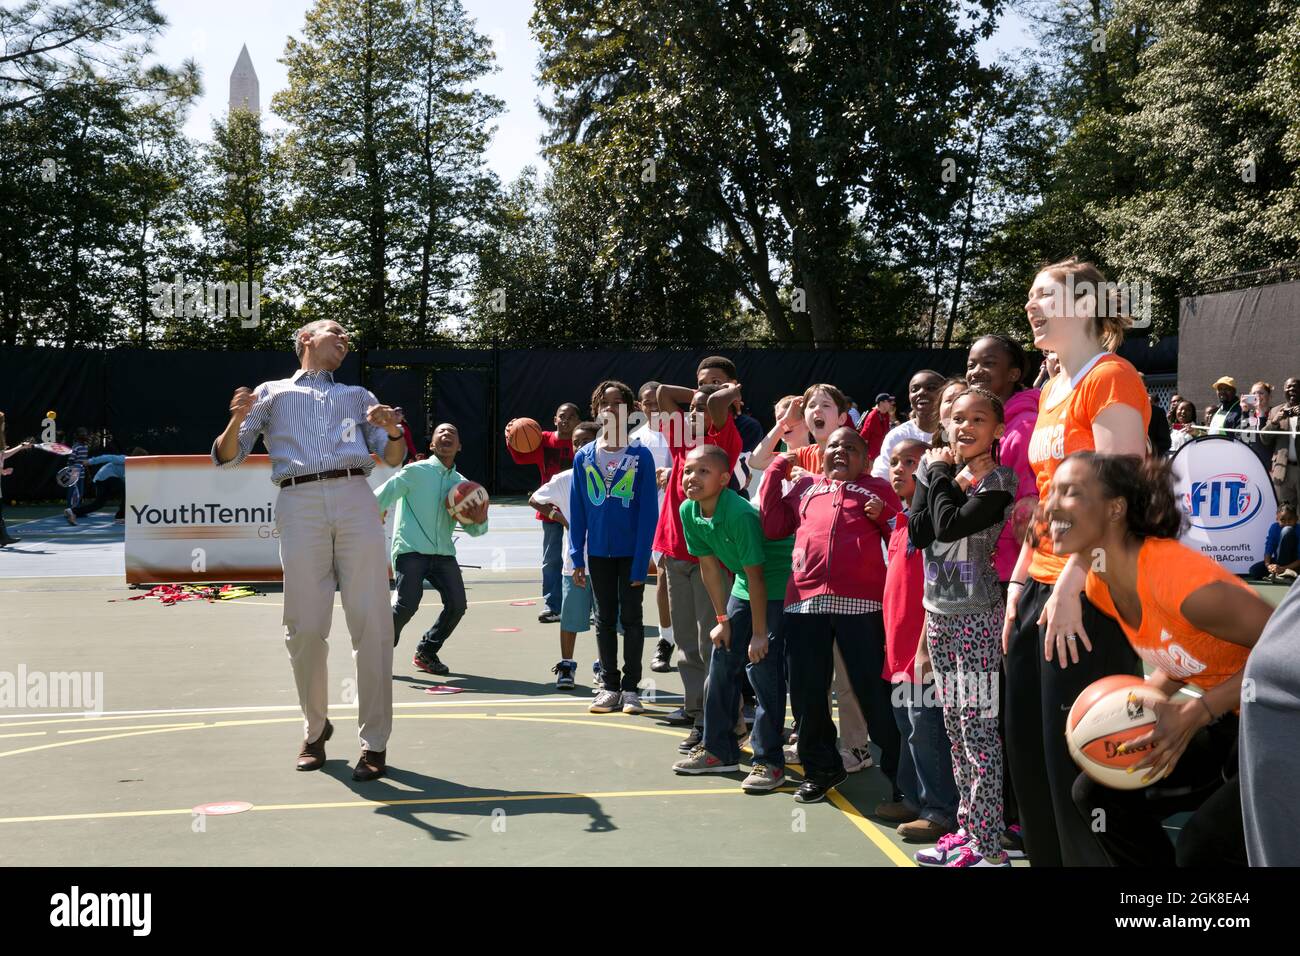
(54, 447)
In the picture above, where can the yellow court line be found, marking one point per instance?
(425, 801)
(839, 801)
(100, 730)
(33, 733)
(471, 702)
(297, 720)
(872, 833)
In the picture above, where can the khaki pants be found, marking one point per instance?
(693, 617)
(853, 725)
(330, 534)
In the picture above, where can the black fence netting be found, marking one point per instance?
(176, 401)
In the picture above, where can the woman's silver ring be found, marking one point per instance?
(1072, 637)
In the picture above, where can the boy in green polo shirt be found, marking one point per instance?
(422, 545)
(723, 529)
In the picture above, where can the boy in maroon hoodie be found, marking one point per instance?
(837, 582)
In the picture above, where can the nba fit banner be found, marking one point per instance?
(1228, 499)
(189, 521)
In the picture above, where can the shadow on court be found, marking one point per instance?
(489, 804)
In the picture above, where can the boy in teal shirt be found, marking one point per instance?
(422, 545)
(724, 529)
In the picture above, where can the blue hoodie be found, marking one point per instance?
(614, 516)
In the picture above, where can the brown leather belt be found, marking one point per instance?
(321, 476)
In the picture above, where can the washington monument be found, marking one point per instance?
(244, 93)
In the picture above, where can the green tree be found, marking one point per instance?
(794, 126)
(50, 46)
(384, 152)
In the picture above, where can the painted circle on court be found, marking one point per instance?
(443, 689)
(522, 603)
(505, 630)
(223, 808)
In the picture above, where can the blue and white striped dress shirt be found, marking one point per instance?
(310, 424)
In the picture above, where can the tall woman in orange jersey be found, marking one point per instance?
(1056, 642)
(1192, 623)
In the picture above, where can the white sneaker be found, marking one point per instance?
(945, 851)
(606, 702)
(70, 515)
(855, 759)
(632, 703)
(791, 752)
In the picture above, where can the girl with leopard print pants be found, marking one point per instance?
(956, 520)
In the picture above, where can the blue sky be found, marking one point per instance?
(212, 32)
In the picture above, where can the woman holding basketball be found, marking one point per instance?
(1191, 621)
(1056, 642)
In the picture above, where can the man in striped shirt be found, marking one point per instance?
(320, 434)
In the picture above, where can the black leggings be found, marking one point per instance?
(1131, 822)
(610, 580)
(1039, 697)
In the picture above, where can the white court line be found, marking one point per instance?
(513, 702)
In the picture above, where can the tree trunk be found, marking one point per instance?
(965, 240)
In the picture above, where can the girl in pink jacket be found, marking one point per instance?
(997, 362)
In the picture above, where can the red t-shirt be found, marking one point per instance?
(903, 611)
(552, 456)
(669, 537)
(873, 429)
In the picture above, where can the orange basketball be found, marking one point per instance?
(1111, 712)
(465, 497)
(524, 435)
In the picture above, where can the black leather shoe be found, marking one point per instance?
(663, 659)
(312, 755)
(371, 766)
(815, 791)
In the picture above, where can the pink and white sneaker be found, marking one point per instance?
(966, 856)
(945, 850)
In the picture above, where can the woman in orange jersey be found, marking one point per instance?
(1192, 623)
(1055, 641)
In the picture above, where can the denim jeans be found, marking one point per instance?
(441, 570)
(728, 667)
(552, 564)
(925, 757)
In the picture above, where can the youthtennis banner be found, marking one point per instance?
(189, 521)
(1228, 499)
